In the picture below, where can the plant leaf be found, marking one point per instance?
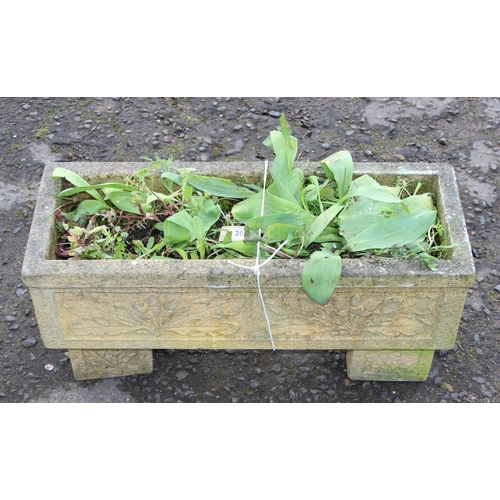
(390, 231)
(107, 185)
(172, 176)
(251, 207)
(89, 207)
(248, 249)
(320, 223)
(123, 200)
(413, 204)
(377, 193)
(339, 166)
(174, 233)
(198, 230)
(267, 220)
(75, 179)
(320, 276)
(354, 224)
(219, 187)
(280, 232)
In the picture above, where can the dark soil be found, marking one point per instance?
(464, 132)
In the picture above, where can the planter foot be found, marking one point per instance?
(389, 365)
(107, 363)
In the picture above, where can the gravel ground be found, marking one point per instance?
(464, 132)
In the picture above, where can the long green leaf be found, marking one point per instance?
(251, 207)
(377, 193)
(281, 232)
(107, 185)
(123, 200)
(287, 184)
(320, 276)
(283, 142)
(248, 249)
(174, 233)
(392, 231)
(199, 233)
(267, 220)
(353, 225)
(219, 187)
(210, 216)
(182, 219)
(75, 179)
(340, 167)
(89, 207)
(413, 204)
(320, 223)
(172, 176)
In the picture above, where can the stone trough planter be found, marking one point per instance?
(389, 315)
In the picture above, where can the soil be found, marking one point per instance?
(464, 132)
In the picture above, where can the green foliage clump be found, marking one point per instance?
(321, 219)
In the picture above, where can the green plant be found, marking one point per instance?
(327, 218)
(152, 224)
(320, 219)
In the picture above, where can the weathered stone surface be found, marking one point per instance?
(232, 318)
(139, 304)
(107, 363)
(393, 365)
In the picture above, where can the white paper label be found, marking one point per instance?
(237, 233)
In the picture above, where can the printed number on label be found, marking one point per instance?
(238, 233)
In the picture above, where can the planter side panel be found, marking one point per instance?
(229, 318)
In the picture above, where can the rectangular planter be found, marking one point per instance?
(390, 315)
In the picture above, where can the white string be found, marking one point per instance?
(256, 268)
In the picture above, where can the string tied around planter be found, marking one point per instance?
(256, 267)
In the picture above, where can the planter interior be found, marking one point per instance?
(389, 314)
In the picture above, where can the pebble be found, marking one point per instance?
(29, 342)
